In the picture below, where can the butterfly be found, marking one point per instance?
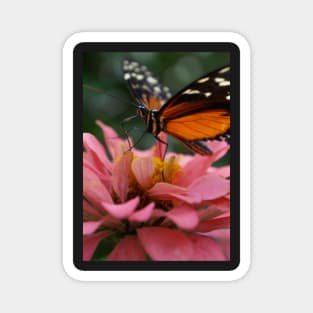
(197, 113)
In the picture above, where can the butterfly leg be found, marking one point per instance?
(126, 120)
(166, 146)
(135, 144)
(164, 154)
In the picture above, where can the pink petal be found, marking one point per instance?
(142, 215)
(120, 175)
(96, 150)
(184, 217)
(111, 221)
(115, 145)
(182, 159)
(206, 249)
(93, 189)
(159, 148)
(156, 215)
(163, 244)
(194, 169)
(123, 210)
(210, 186)
(143, 169)
(128, 249)
(165, 191)
(222, 238)
(90, 210)
(219, 148)
(212, 224)
(209, 213)
(104, 177)
(223, 171)
(90, 227)
(91, 242)
(222, 204)
(143, 153)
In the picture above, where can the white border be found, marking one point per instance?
(244, 156)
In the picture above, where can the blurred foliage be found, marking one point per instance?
(107, 98)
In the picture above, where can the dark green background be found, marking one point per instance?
(106, 95)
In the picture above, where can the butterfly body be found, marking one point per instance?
(199, 112)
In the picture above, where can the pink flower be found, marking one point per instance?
(140, 207)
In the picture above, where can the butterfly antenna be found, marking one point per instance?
(110, 95)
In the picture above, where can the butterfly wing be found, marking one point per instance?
(145, 86)
(200, 111)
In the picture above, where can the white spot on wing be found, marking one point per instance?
(208, 94)
(228, 97)
(219, 79)
(146, 87)
(157, 89)
(191, 91)
(132, 65)
(203, 80)
(140, 76)
(127, 76)
(151, 80)
(224, 70)
(225, 83)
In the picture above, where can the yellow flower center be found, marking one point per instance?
(165, 171)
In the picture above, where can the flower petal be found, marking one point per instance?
(104, 177)
(223, 171)
(121, 210)
(97, 152)
(115, 145)
(194, 169)
(90, 227)
(90, 211)
(222, 238)
(128, 249)
(164, 244)
(222, 204)
(206, 249)
(210, 186)
(209, 213)
(120, 175)
(219, 148)
(160, 148)
(165, 191)
(184, 217)
(212, 224)
(142, 215)
(143, 169)
(93, 189)
(143, 153)
(198, 165)
(156, 215)
(91, 242)
(111, 221)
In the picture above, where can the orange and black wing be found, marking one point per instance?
(145, 86)
(200, 111)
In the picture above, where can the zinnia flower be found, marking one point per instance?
(139, 207)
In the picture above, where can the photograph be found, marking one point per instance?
(156, 156)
